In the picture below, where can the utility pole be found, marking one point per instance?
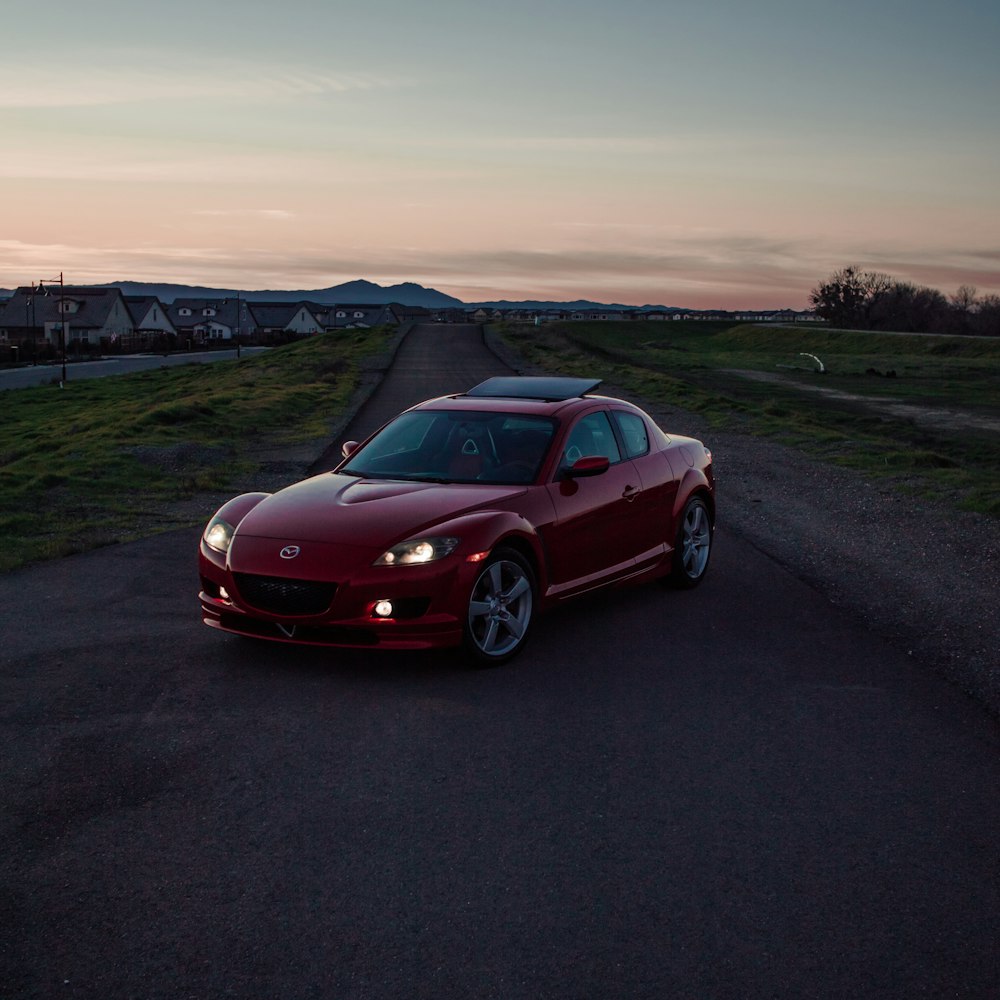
(62, 319)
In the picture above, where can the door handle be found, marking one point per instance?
(630, 493)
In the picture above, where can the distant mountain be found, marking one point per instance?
(363, 293)
(580, 305)
(352, 292)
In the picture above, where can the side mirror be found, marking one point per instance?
(348, 448)
(589, 465)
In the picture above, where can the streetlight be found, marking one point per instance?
(62, 320)
(31, 331)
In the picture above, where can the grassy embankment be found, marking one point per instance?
(694, 365)
(108, 459)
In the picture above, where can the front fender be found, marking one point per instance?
(481, 530)
(232, 511)
(236, 509)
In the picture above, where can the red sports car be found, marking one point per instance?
(460, 519)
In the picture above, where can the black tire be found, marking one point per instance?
(500, 610)
(692, 546)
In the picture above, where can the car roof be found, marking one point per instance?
(548, 388)
(523, 395)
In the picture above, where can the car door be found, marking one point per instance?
(591, 538)
(651, 520)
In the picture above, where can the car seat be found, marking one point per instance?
(469, 452)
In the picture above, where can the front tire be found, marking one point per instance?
(693, 546)
(500, 609)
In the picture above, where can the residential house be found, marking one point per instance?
(204, 321)
(484, 315)
(450, 315)
(284, 320)
(593, 315)
(397, 313)
(151, 324)
(45, 316)
(342, 317)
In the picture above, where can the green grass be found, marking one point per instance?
(105, 459)
(702, 367)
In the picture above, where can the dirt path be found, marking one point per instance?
(933, 418)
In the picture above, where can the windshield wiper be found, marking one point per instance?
(398, 477)
(421, 478)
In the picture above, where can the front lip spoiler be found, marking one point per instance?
(389, 634)
(312, 635)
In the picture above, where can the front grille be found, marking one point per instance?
(281, 596)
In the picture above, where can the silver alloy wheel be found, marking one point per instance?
(500, 608)
(695, 540)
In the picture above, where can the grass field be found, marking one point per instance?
(105, 459)
(933, 427)
(109, 459)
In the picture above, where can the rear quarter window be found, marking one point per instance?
(634, 433)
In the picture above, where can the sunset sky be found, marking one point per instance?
(711, 153)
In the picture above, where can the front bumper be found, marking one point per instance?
(430, 604)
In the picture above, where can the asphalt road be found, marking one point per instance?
(124, 364)
(735, 792)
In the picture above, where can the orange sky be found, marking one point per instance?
(668, 154)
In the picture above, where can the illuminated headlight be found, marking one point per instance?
(219, 534)
(417, 551)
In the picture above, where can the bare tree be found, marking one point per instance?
(986, 319)
(965, 298)
(851, 297)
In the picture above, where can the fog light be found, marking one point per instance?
(223, 594)
(383, 609)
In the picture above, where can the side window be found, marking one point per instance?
(634, 433)
(592, 435)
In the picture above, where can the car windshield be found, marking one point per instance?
(453, 446)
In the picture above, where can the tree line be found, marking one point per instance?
(870, 300)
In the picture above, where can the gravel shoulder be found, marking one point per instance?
(923, 576)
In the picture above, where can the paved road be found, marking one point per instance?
(125, 364)
(731, 793)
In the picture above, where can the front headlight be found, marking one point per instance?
(417, 551)
(219, 534)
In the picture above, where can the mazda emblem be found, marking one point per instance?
(289, 552)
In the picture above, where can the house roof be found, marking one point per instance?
(225, 313)
(41, 306)
(368, 315)
(139, 305)
(279, 314)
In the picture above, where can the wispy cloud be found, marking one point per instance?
(177, 162)
(718, 271)
(276, 214)
(35, 84)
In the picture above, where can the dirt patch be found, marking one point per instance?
(178, 457)
(933, 418)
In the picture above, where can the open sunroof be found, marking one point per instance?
(543, 387)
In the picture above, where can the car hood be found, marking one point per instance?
(364, 512)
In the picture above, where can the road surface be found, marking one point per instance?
(735, 792)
